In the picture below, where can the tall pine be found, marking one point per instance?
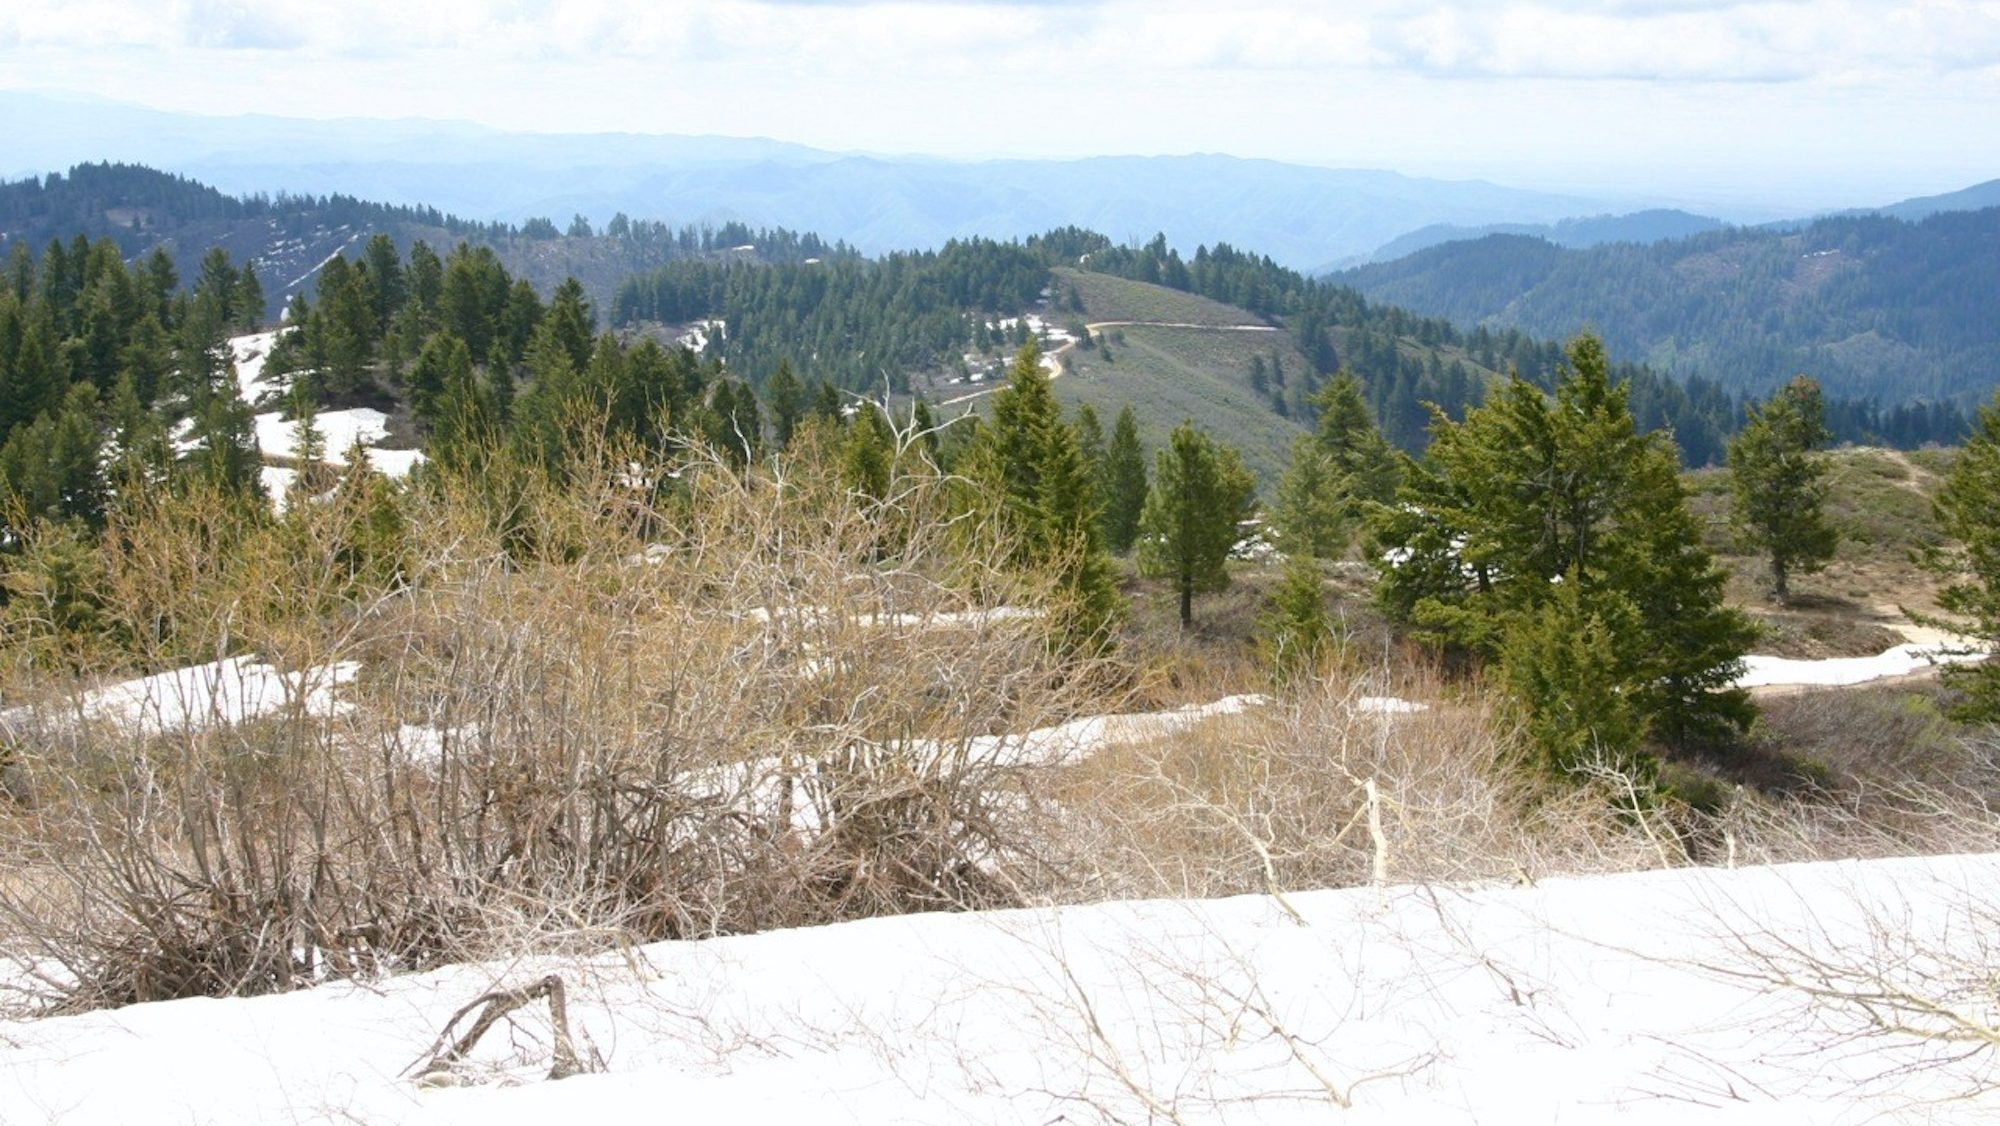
(1199, 495)
(1778, 485)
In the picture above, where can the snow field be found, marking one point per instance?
(1633, 999)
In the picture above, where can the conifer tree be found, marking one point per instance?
(1531, 494)
(787, 399)
(1029, 459)
(1364, 459)
(867, 454)
(1778, 485)
(1293, 630)
(1124, 483)
(225, 451)
(1200, 493)
(464, 420)
(1967, 510)
(1313, 511)
(248, 300)
(53, 466)
(432, 371)
(569, 324)
(1562, 664)
(1090, 442)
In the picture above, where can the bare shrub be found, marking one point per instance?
(639, 702)
(1335, 786)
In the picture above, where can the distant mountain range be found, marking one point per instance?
(1872, 305)
(1302, 216)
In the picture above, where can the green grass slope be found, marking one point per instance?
(1170, 374)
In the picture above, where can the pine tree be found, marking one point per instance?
(568, 323)
(1529, 495)
(1200, 493)
(341, 329)
(1314, 512)
(1090, 443)
(787, 399)
(308, 444)
(867, 454)
(1293, 630)
(1124, 483)
(1562, 664)
(1778, 486)
(1967, 511)
(1029, 459)
(464, 420)
(1363, 457)
(248, 300)
(225, 450)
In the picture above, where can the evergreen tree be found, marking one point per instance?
(1293, 630)
(432, 372)
(217, 283)
(1314, 512)
(53, 466)
(1364, 459)
(225, 448)
(1028, 458)
(787, 399)
(1562, 664)
(1967, 510)
(1778, 486)
(1124, 483)
(32, 384)
(386, 283)
(1090, 443)
(248, 300)
(308, 444)
(1529, 495)
(1200, 493)
(867, 454)
(342, 329)
(464, 420)
(568, 323)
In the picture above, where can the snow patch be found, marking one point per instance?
(1832, 672)
(203, 697)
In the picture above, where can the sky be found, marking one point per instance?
(1697, 99)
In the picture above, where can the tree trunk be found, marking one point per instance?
(1778, 580)
(1187, 602)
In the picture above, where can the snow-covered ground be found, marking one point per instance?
(277, 437)
(220, 693)
(1632, 999)
(1833, 672)
(248, 354)
(698, 335)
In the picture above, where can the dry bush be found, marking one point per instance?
(1323, 790)
(641, 703)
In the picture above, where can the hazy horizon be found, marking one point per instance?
(1773, 105)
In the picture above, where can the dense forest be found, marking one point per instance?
(859, 324)
(1875, 308)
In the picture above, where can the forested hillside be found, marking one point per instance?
(1873, 307)
(287, 239)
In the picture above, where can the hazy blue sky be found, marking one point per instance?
(1814, 101)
